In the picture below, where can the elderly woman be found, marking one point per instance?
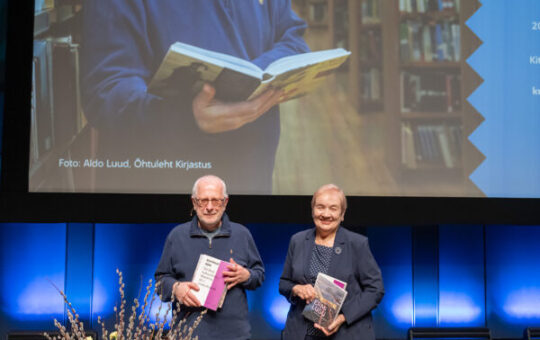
(339, 253)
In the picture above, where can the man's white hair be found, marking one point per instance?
(209, 178)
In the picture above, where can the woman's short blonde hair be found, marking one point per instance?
(331, 187)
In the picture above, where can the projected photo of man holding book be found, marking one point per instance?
(146, 96)
(165, 92)
(196, 83)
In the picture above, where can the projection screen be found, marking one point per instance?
(436, 98)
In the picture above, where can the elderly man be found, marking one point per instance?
(210, 232)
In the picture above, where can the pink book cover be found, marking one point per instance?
(218, 289)
(339, 284)
(208, 276)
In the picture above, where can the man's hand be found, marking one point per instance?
(305, 292)
(235, 274)
(182, 292)
(213, 116)
(333, 327)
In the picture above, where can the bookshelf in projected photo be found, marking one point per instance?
(370, 87)
(58, 127)
(425, 121)
(317, 13)
(356, 26)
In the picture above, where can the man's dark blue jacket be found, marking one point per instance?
(181, 252)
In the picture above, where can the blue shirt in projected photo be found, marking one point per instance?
(124, 42)
(509, 98)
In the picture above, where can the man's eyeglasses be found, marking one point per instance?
(203, 202)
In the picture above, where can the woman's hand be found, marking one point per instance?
(333, 327)
(305, 292)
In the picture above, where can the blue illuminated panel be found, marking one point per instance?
(425, 276)
(513, 279)
(135, 249)
(461, 276)
(391, 247)
(80, 268)
(32, 259)
(268, 309)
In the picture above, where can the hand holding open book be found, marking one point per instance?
(237, 80)
(214, 116)
(231, 92)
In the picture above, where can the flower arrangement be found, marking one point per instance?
(138, 325)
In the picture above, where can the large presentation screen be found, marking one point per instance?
(277, 97)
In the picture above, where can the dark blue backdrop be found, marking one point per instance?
(448, 275)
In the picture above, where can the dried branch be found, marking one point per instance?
(139, 326)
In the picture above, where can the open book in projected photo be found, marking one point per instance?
(236, 79)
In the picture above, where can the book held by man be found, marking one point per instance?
(330, 294)
(208, 276)
(189, 67)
